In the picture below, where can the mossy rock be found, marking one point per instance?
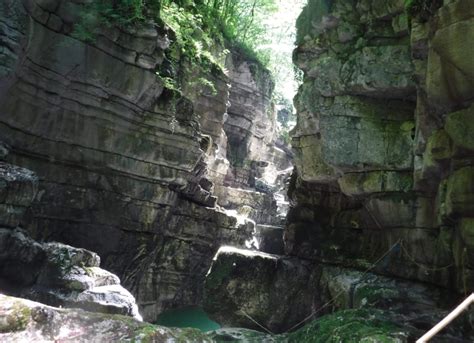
(460, 193)
(439, 147)
(313, 13)
(460, 127)
(375, 182)
(15, 319)
(350, 326)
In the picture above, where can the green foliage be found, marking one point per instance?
(206, 84)
(238, 23)
(200, 31)
(191, 41)
(240, 20)
(169, 83)
(121, 13)
(197, 24)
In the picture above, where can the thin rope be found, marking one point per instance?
(342, 292)
(372, 216)
(253, 320)
(421, 265)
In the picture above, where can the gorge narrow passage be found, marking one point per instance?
(159, 183)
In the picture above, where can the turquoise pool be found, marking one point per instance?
(191, 317)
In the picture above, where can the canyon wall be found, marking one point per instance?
(384, 160)
(124, 162)
(381, 196)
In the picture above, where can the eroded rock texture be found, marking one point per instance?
(53, 273)
(382, 146)
(248, 167)
(118, 156)
(22, 320)
(381, 197)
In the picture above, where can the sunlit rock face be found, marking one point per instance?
(119, 157)
(245, 165)
(383, 144)
(251, 125)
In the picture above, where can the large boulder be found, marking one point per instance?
(252, 289)
(278, 294)
(60, 275)
(26, 321)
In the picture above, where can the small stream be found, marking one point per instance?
(190, 317)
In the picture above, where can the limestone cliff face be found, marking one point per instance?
(244, 164)
(384, 156)
(251, 128)
(118, 156)
(381, 213)
(128, 167)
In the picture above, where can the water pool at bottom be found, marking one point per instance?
(190, 317)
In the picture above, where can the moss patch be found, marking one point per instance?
(16, 319)
(349, 326)
(459, 126)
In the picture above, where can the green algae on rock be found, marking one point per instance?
(351, 326)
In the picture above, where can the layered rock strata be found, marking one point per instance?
(117, 154)
(382, 140)
(53, 273)
(381, 197)
(247, 167)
